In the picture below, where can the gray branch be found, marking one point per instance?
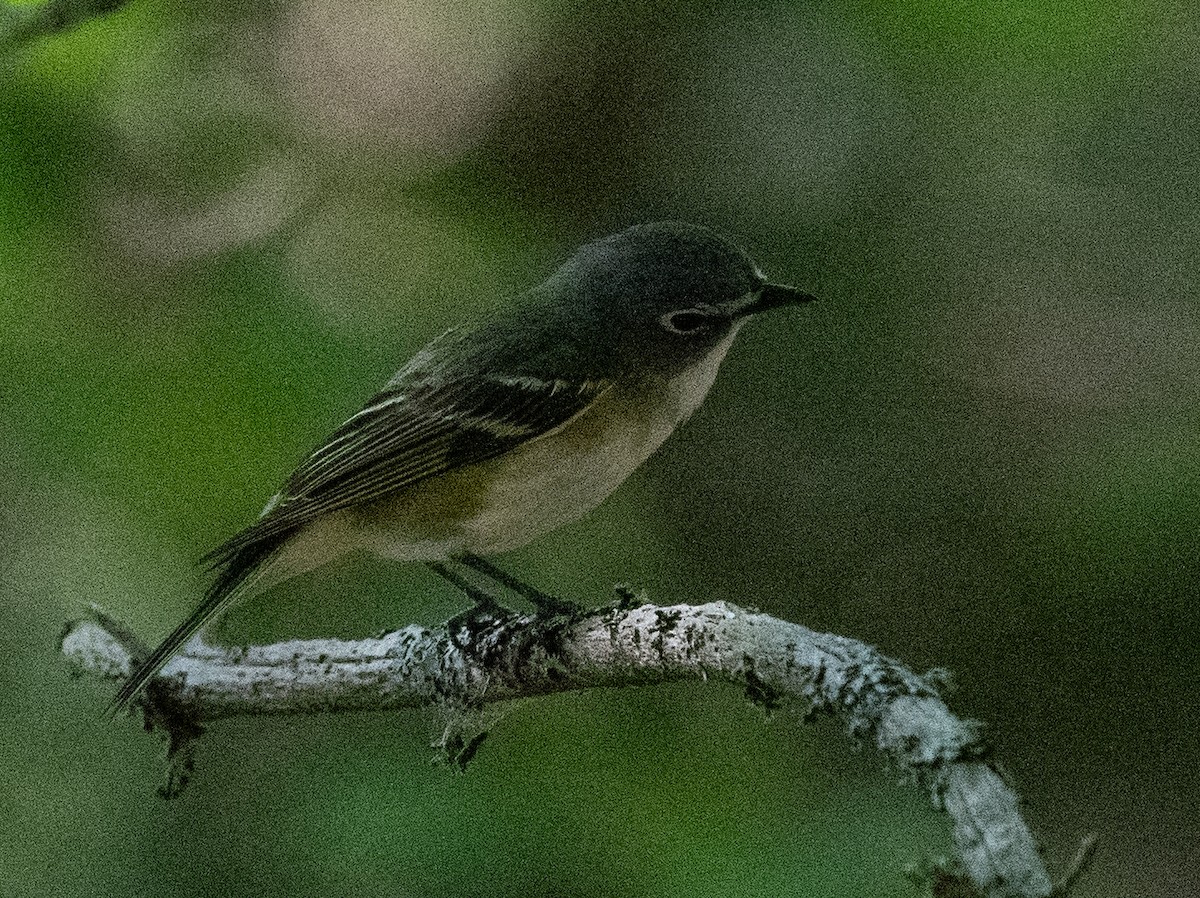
(22, 23)
(492, 656)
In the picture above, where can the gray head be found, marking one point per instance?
(652, 298)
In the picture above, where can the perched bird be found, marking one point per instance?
(494, 435)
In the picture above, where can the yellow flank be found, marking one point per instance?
(508, 501)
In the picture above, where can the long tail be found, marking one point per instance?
(240, 571)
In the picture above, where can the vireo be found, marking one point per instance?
(494, 435)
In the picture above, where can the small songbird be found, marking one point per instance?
(493, 435)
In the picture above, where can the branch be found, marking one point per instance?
(493, 656)
(22, 23)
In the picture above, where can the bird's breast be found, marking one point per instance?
(510, 500)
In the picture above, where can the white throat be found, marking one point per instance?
(687, 390)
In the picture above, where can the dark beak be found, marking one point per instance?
(771, 296)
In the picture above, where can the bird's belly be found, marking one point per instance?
(561, 477)
(510, 500)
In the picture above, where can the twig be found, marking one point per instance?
(494, 656)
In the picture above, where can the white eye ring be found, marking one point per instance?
(684, 321)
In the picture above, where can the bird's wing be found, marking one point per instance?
(416, 427)
(423, 423)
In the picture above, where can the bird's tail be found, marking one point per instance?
(240, 572)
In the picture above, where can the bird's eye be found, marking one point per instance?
(687, 321)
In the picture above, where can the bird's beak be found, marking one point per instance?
(770, 296)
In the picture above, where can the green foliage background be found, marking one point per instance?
(221, 227)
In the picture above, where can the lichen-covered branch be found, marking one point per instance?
(492, 656)
(21, 23)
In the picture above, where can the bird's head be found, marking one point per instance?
(659, 297)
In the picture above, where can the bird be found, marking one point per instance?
(495, 434)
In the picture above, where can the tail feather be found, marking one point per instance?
(239, 572)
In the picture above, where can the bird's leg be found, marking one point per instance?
(481, 597)
(546, 603)
(485, 610)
